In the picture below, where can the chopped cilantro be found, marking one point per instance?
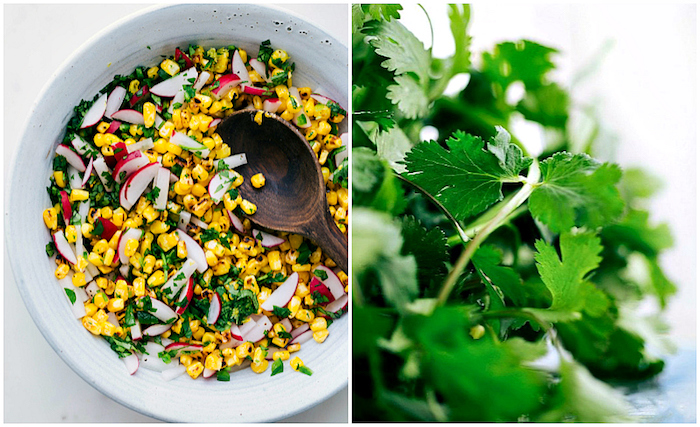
(50, 249)
(281, 312)
(277, 367)
(71, 295)
(321, 274)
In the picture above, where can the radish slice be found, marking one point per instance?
(94, 272)
(100, 169)
(287, 324)
(194, 251)
(172, 287)
(137, 183)
(162, 182)
(163, 312)
(332, 281)
(208, 373)
(258, 332)
(80, 145)
(239, 69)
(201, 81)
(66, 207)
(130, 233)
(132, 363)
(76, 305)
(112, 318)
(108, 227)
(74, 178)
(168, 88)
(124, 270)
(220, 184)
(158, 122)
(92, 289)
(317, 285)
(129, 116)
(300, 330)
(283, 294)
(172, 373)
(225, 84)
(80, 250)
(151, 360)
(182, 55)
(95, 113)
(214, 123)
(120, 151)
(302, 338)
(267, 240)
(88, 172)
(179, 98)
(236, 222)
(199, 223)
(184, 220)
(236, 332)
(256, 91)
(143, 145)
(246, 327)
(128, 165)
(231, 162)
(186, 143)
(272, 105)
(63, 247)
(113, 126)
(155, 330)
(343, 154)
(214, 309)
(114, 102)
(338, 305)
(71, 156)
(183, 348)
(187, 294)
(136, 331)
(260, 68)
(139, 95)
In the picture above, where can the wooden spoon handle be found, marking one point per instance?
(332, 241)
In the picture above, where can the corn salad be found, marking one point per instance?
(162, 263)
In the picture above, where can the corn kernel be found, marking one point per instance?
(169, 66)
(60, 178)
(261, 367)
(248, 207)
(91, 325)
(115, 304)
(156, 279)
(78, 195)
(258, 180)
(318, 324)
(320, 336)
(195, 369)
(294, 348)
(296, 363)
(283, 354)
(100, 300)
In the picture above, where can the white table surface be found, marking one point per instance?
(38, 385)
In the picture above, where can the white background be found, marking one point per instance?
(38, 385)
(646, 93)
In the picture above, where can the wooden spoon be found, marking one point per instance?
(294, 196)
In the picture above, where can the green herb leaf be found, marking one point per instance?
(71, 295)
(277, 367)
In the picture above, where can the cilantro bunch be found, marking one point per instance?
(491, 283)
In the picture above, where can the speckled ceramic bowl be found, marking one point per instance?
(321, 62)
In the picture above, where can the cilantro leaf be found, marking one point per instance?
(374, 183)
(277, 367)
(71, 295)
(281, 312)
(459, 20)
(576, 191)
(466, 179)
(429, 248)
(409, 96)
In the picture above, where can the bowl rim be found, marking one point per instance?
(15, 263)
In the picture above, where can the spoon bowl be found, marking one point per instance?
(293, 198)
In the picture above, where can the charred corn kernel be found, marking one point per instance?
(102, 127)
(131, 247)
(114, 240)
(278, 58)
(279, 328)
(203, 100)
(50, 218)
(107, 151)
(322, 112)
(339, 214)
(320, 335)
(149, 114)
(121, 289)
(323, 128)
(195, 369)
(304, 92)
(294, 104)
(291, 257)
(257, 103)
(167, 241)
(150, 214)
(186, 359)
(332, 142)
(232, 359)
(212, 260)
(223, 152)
(159, 227)
(109, 256)
(283, 354)
(282, 92)
(310, 134)
(166, 129)
(296, 363)
(243, 350)
(199, 173)
(139, 286)
(323, 156)
(152, 72)
(318, 324)
(134, 86)
(304, 315)
(106, 212)
(156, 279)
(115, 304)
(181, 249)
(109, 289)
(100, 300)
(90, 309)
(258, 355)
(248, 207)
(258, 180)
(294, 305)
(274, 261)
(477, 331)
(169, 66)
(78, 195)
(261, 367)
(118, 217)
(286, 115)
(214, 361)
(62, 271)
(78, 280)
(100, 315)
(71, 233)
(95, 259)
(237, 181)
(301, 267)
(222, 267)
(60, 178)
(99, 140)
(91, 325)
(280, 342)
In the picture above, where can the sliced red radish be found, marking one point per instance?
(162, 311)
(155, 330)
(220, 184)
(256, 91)
(80, 145)
(129, 234)
(236, 332)
(181, 55)
(168, 88)
(71, 156)
(76, 304)
(214, 123)
(324, 100)
(120, 151)
(136, 333)
(138, 96)
(108, 228)
(184, 220)
(317, 286)
(172, 373)
(66, 207)
(246, 327)
(100, 169)
(114, 126)
(162, 182)
(338, 305)
(199, 223)
(177, 282)
(159, 120)
(267, 240)
(185, 297)
(332, 281)
(150, 359)
(74, 178)
(259, 67)
(236, 222)
(114, 102)
(281, 296)
(124, 270)
(300, 330)
(186, 143)
(88, 172)
(181, 348)
(128, 165)
(143, 145)
(201, 80)
(208, 373)
(194, 251)
(231, 162)
(262, 326)
(63, 247)
(112, 318)
(272, 105)
(287, 324)
(214, 309)
(225, 84)
(95, 113)
(177, 101)
(302, 338)
(132, 363)
(173, 178)
(238, 68)
(129, 116)
(137, 183)
(92, 289)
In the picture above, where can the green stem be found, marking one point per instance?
(518, 199)
(471, 230)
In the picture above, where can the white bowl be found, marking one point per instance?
(321, 62)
